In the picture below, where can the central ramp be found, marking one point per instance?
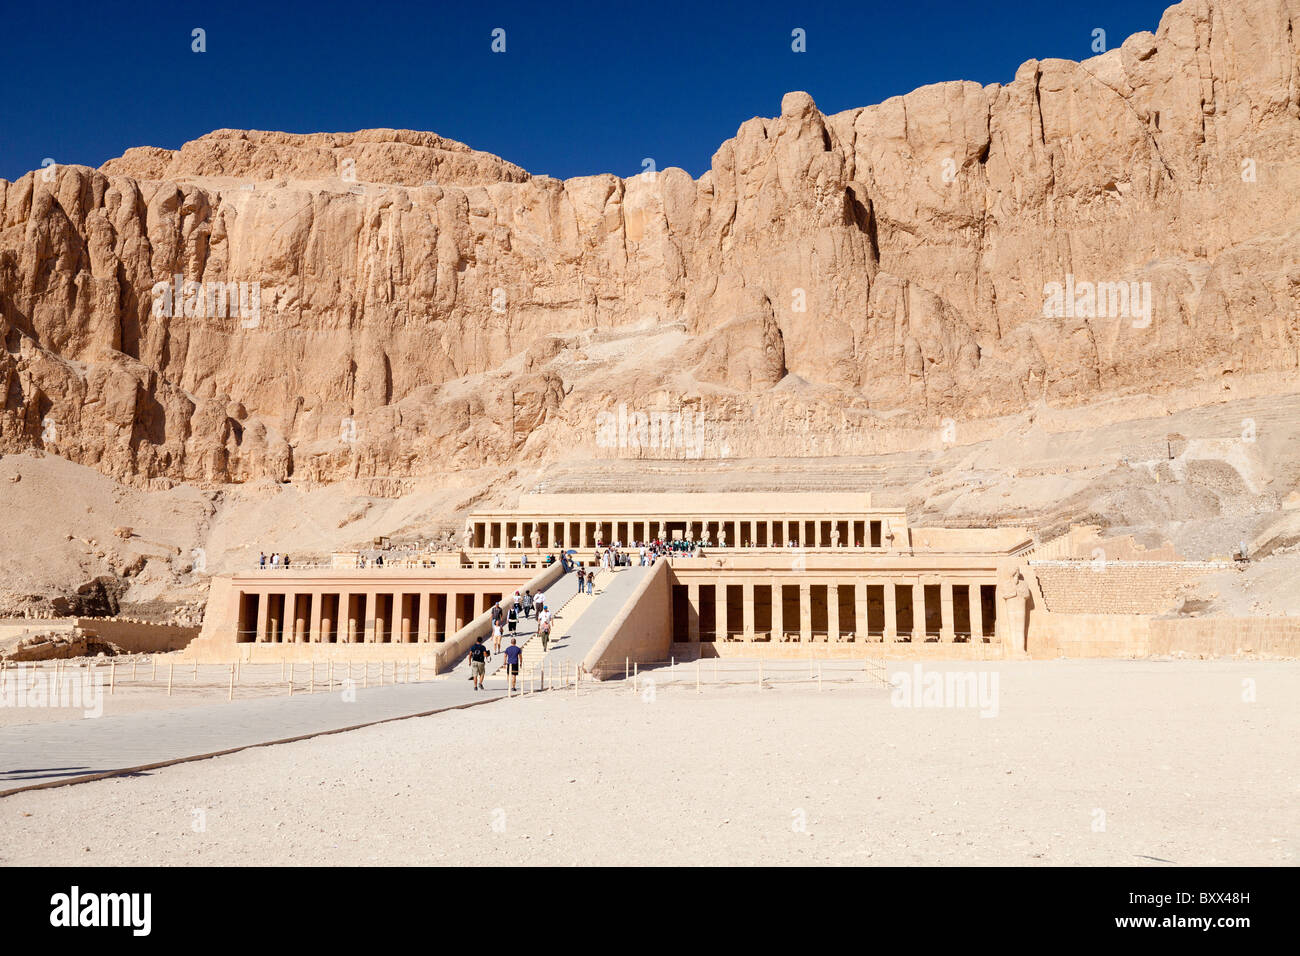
(578, 639)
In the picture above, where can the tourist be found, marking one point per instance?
(261, 562)
(512, 619)
(286, 562)
(513, 653)
(591, 582)
(582, 578)
(528, 604)
(478, 655)
(544, 626)
(497, 628)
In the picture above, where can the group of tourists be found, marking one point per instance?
(506, 620)
(276, 561)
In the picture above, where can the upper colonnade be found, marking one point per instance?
(733, 520)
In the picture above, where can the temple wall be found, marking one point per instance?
(1118, 587)
(1270, 637)
(139, 637)
(642, 631)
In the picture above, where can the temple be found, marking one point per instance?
(771, 571)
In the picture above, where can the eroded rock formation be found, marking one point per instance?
(426, 307)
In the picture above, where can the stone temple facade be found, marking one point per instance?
(772, 573)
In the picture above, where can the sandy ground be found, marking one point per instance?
(1107, 762)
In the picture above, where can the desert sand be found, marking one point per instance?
(1111, 763)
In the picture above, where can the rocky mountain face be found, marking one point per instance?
(410, 306)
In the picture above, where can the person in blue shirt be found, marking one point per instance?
(513, 653)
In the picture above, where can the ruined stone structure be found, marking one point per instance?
(854, 574)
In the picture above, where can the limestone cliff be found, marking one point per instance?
(426, 307)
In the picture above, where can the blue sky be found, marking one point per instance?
(582, 88)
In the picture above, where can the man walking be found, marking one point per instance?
(478, 656)
(544, 626)
(513, 653)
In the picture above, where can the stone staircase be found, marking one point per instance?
(566, 605)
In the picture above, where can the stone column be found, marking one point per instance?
(860, 628)
(976, 614)
(891, 612)
(263, 618)
(720, 611)
(317, 599)
(275, 623)
(693, 612)
(372, 611)
(805, 613)
(454, 614)
(328, 624)
(747, 605)
(832, 613)
(918, 613)
(947, 621)
(423, 607)
(402, 618)
(778, 610)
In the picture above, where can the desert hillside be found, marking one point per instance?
(861, 299)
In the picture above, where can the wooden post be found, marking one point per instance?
(230, 693)
(170, 668)
(154, 660)
(195, 677)
(311, 681)
(697, 675)
(133, 667)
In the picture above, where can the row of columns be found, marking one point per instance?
(310, 616)
(820, 532)
(835, 627)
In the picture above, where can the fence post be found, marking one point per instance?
(170, 667)
(230, 693)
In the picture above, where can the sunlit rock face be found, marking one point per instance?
(392, 303)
